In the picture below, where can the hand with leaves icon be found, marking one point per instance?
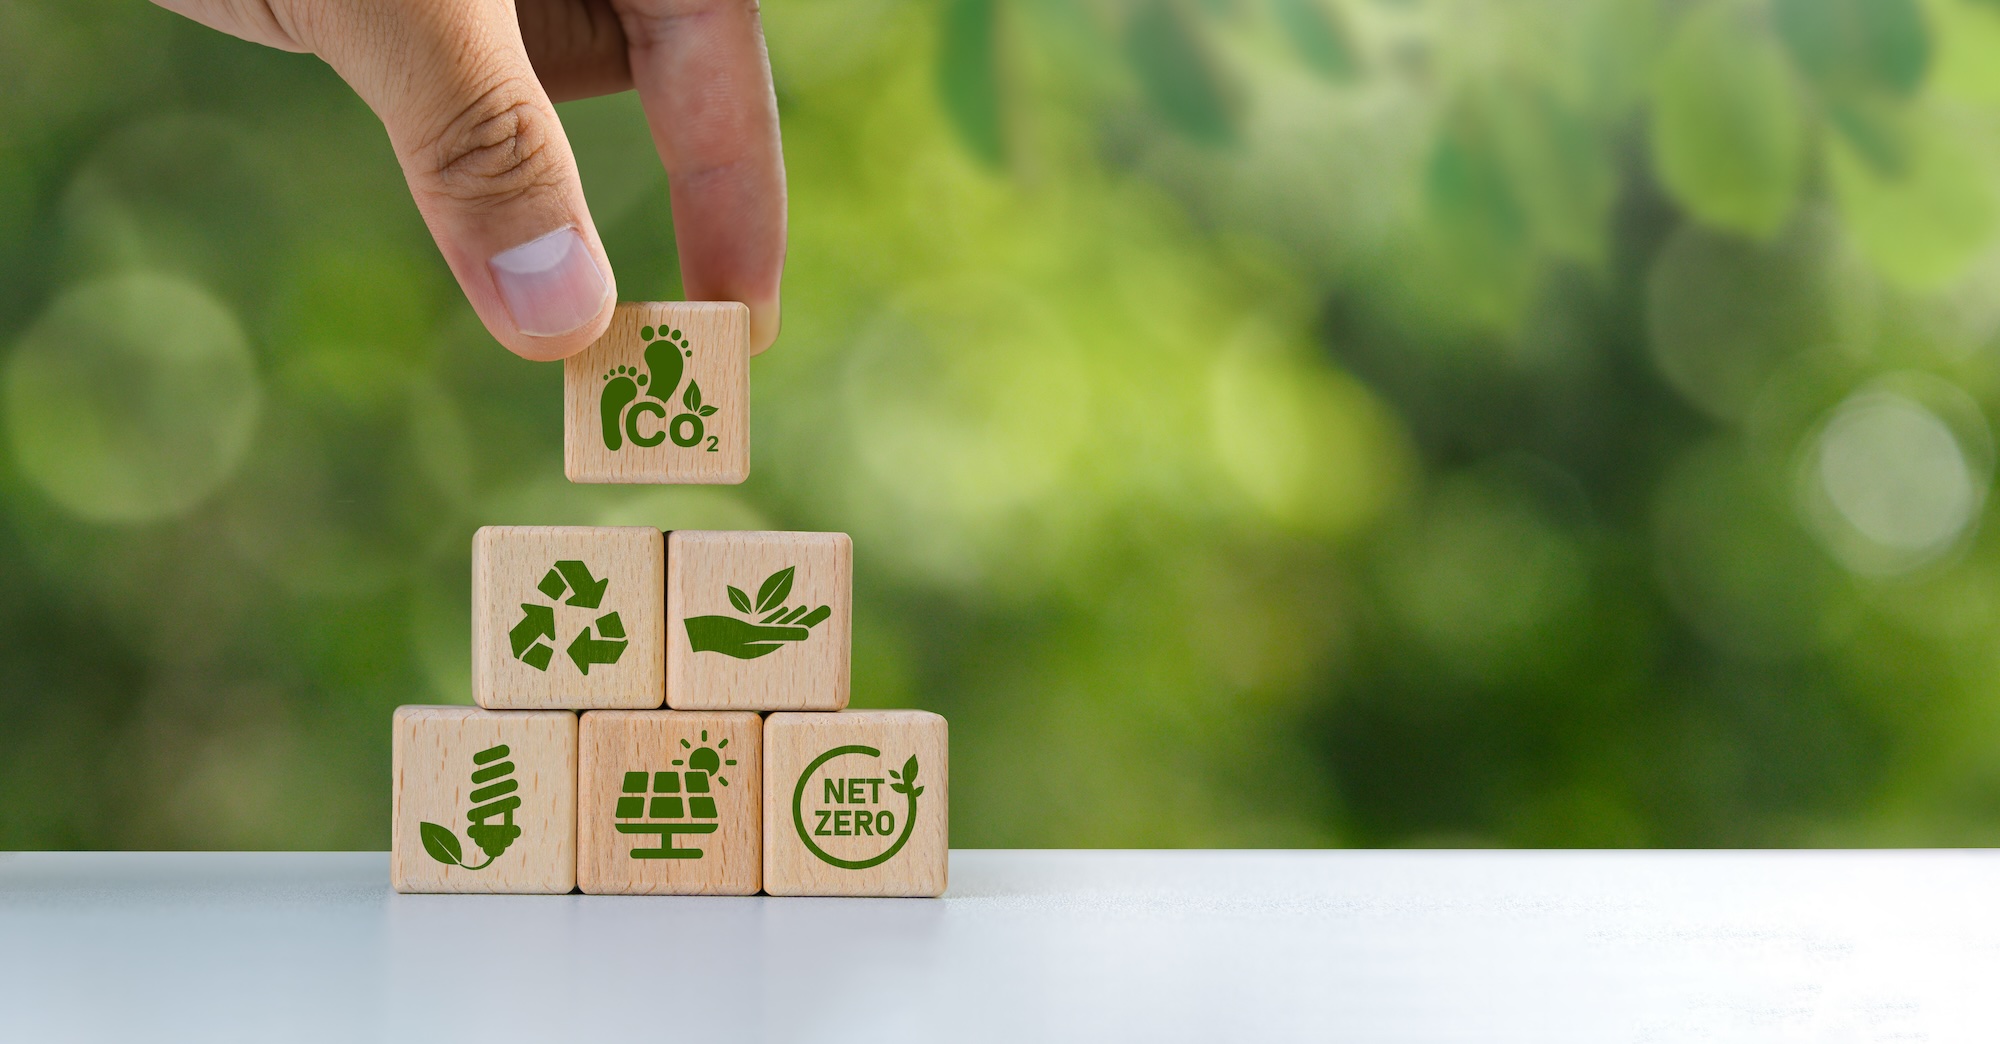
(746, 639)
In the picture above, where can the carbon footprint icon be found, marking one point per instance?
(621, 386)
(667, 353)
(630, 394)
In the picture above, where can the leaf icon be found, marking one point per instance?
(740, 600)
(776, 587)
(706, 411)
(909, 779)
(442, 844)
(692, 397)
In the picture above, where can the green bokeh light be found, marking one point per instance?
(1533, 422)
(132, 399)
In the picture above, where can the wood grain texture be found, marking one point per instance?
(613, 744)
(806, 668)
(610, 416)
(508, 562)
(432, 754)
(838, 803)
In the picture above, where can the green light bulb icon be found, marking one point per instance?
(493, 798)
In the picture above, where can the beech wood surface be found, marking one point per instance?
(811, 673)
(507, 564)
(614, 743)
(717, 334)
(432, 757)
(792, 742)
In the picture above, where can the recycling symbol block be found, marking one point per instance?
(534, 639)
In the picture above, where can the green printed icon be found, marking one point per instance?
(534, 638)
(500, 801)
(749, 639)
(630, 397)
(681, 802)
(851, 806)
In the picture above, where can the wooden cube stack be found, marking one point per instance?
(713, 753)
(665, 713)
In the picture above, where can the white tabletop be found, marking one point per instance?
(1209, 946)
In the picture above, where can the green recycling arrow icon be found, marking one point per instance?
(573, 576)
(585, 650)
(538, 622)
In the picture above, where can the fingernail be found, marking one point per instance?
(763, 324)
(551, 285)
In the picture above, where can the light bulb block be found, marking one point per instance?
(758, 620)
(483, 801)
(663, 396)
(670, 803)
(856, 803)
(568, 617)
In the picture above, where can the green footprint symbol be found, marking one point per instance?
(666, 358)
(620, 388)
(667, 352)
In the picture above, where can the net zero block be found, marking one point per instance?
(758, 620)
(855, 803)
(568, 616)
(670, 803)
(483, 801)
(663, 396)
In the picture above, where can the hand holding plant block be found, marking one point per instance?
(787, 648)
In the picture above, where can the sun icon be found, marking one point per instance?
(707, 759)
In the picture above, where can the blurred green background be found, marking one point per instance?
(1261, 422)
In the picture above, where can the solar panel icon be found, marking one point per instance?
(680, 801)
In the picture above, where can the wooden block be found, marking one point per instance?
(839, 818)
(758, 621)
(670, 803)
(663, 396)
(484, 802)
(568, 616)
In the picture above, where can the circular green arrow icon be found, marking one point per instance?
(905, 784)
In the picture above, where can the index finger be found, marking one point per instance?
(705, 82)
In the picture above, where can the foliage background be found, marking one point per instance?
(1261, 422)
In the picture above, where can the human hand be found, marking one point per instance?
(465, 89)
